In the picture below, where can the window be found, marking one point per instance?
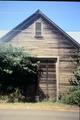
(38, 29)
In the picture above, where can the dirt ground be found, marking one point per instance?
(39, 106)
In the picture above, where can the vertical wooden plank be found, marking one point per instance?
(47, 80)
(57, 79)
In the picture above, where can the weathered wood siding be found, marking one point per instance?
(52, 44)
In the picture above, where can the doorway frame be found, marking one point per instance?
(57, 71)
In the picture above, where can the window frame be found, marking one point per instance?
(41, 35)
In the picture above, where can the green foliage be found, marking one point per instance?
(16, 96)
(3, 98)
(13, 97)
(72, 96)
(17, 71)
(77, 75)
(74, 88)
(76, 79)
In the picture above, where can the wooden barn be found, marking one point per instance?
(53, 47)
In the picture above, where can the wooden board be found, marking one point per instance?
(48, 78)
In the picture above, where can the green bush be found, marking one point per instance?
(3, 98)
(16, 97)
(17, 71)
(74, 88)
(72, 96)
(76, 80)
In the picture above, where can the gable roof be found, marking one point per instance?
(29, 21)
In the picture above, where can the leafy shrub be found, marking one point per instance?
(75, 88)
(72, 96)
(16, 96)
(3, 98)
(17, 71)
(76, 79)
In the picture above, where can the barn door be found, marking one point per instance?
(48, 78)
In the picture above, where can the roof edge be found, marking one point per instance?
(38, 12)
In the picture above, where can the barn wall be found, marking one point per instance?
(53, 43)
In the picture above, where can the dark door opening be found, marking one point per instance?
(45, 86)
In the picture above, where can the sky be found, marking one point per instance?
(65, 14)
